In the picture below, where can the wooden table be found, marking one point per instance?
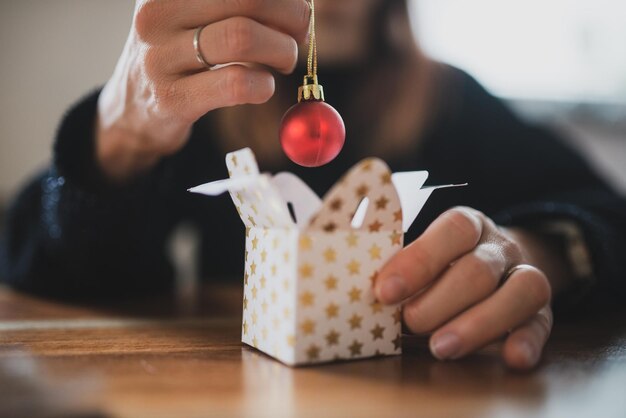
(181, 357)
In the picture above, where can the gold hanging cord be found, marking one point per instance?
(311, 90)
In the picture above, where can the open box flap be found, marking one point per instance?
(365, 198)
(216, 188)
(294, 191)
(412, 196)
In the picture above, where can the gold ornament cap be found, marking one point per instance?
(310, 90)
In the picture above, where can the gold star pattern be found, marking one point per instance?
(263, 280)
(308, 327)
(332, 338)
(396, 238)
(355, 321)
(397, 216)
(330, 227)
(255, 318)
(305, 243)
(291, 340)
(264, 307)
(273, 269)
(245, 328)
(251, 220)
(336, 204)
(397, 342)
(332, 310)
(254, 292)
(331, 282)
(330, 255)
(374, 251)
(355, 348)
(233, 158)
(254, 209)
(352, 239)
(253, 268)
(375, 226)
(385, 178)
(355, 294)
(245, 278)
(307, 298)
(397, 316)
(377, 332)
(255, 242)
(255, 342)
(245, 302)
(362, 191)
(263, 256)
(373, 278)
(381, 203)
(376, 307)
(354, 267)
(313, 352)
(306, 270)
(366, 165)
(264, 333)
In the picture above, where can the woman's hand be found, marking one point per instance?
(159, 89)
(451, 282)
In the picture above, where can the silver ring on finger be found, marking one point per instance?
(196, 47)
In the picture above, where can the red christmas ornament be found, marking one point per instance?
(312, 132)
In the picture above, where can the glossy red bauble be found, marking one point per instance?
(312, 133)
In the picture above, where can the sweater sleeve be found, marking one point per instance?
(526, 175)
(69, 233)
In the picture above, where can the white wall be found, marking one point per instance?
(534, 49)
(51, 53)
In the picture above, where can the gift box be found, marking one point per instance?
(310, 263)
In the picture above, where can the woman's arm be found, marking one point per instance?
(69, 233)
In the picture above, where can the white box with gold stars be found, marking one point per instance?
(308, 294)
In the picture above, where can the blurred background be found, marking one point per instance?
(559, 62)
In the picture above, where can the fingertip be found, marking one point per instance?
(521, 354)
(304, 17)
(390, 289)
(262, 88)
(270, 86)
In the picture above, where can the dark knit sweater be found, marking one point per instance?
(69, 234)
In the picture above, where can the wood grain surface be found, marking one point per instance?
(182, 357)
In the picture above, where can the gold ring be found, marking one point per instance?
(196, 47)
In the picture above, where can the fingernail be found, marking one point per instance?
(392, 289)
(528, 351)
(445, 346)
